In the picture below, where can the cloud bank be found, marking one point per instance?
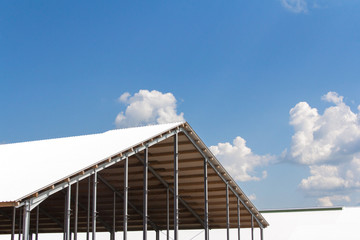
(240, 161)
(329, 144)
(147, 107)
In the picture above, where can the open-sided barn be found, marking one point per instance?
(154, 178)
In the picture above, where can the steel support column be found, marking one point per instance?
(261, 234)
(68, 213)
(157, 235)
(20, 224)
(94, 213)
(227, 213)
(64, 218)
(76, 210)
(145, 194)
(13, 224)
(238, 217)
(114, 218)
(167, 215)
(37, 224)
(176, 187)
(206, 201)
(88, 210)
(252, 227)
(26, 221)
(126, 191)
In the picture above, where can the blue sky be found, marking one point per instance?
(235, 68)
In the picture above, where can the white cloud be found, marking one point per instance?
(148, 107)
(327, 179)
(329, 201)
(324, 177)
(252, 197)
(333, 97)
(297, 6)
(240, 161)
(329, 144)
(331, 137)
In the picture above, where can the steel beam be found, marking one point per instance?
(94, 213)
(176, 187)
(206, 201)
(145, 194)
(126, 195)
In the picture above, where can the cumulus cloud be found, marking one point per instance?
(331, 137)
(147, 107)
(297, 6)
(324, 177)
(329, 144)
(329, 201)
(240, 161)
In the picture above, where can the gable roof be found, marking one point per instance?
(35, 169)
(31, 166)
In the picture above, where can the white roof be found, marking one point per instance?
(29, 166)
(329, 224)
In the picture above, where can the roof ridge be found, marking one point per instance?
(90, 134)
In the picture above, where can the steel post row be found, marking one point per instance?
(27, 206)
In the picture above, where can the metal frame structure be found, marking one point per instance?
(195, 184)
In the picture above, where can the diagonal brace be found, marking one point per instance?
(183, 202)
(155, 227)
(51, 217)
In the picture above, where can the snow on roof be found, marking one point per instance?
(26, 167)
